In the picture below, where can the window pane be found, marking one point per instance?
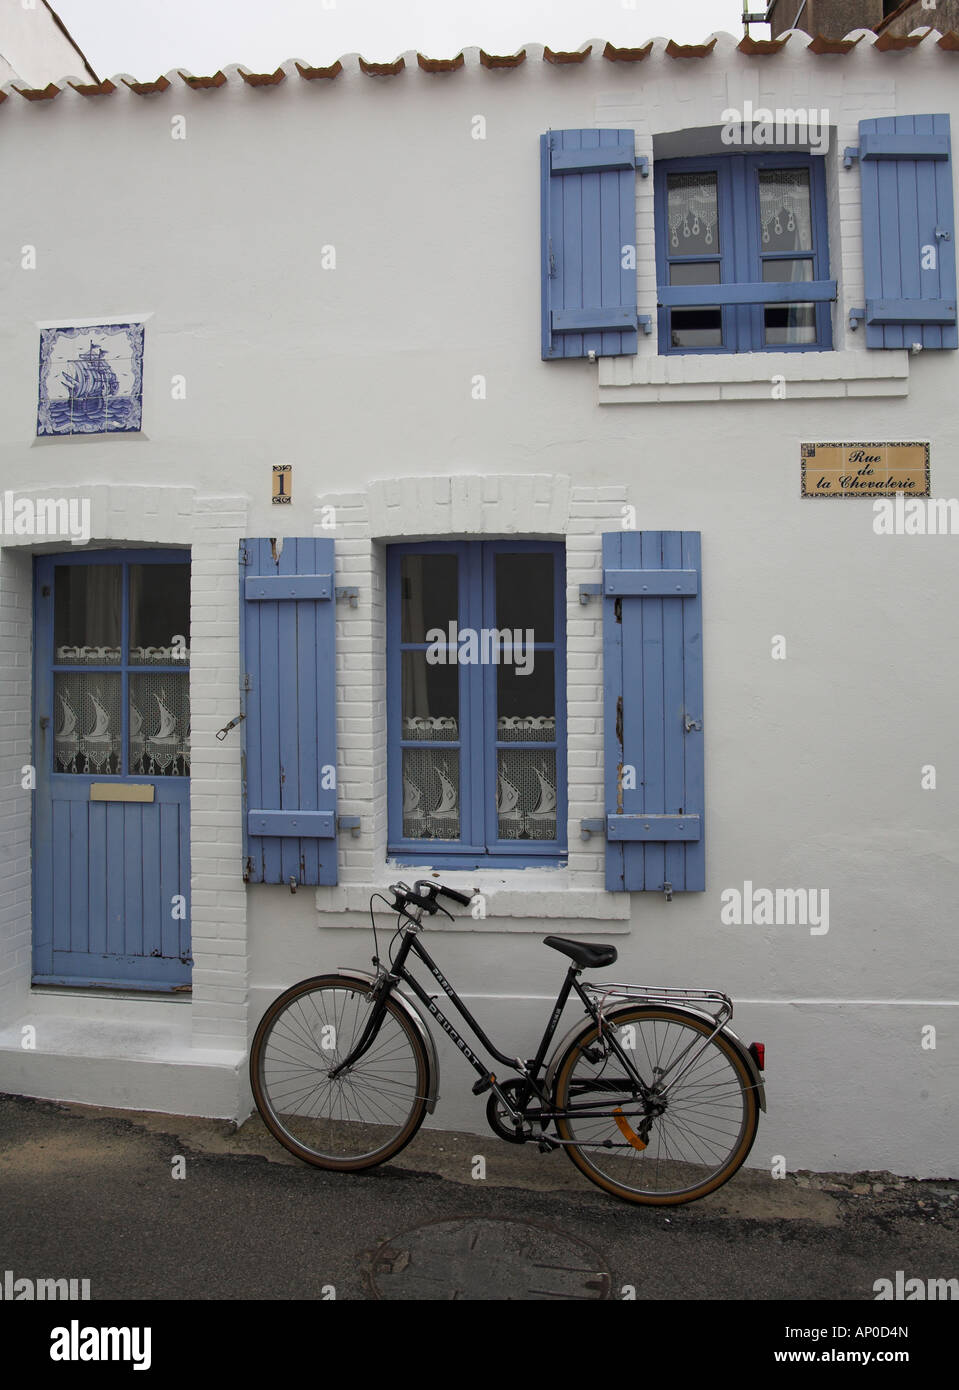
(429, 594)
(431, 794)
(160, 725)
(694, 273)
(696, 327)
(529, 696)
(785, 211)
(159, 613)
(430, 699)
(526, 794)
(790, 323)
(87, 609)
(524, 594)
(786, 270)
(86, 724)
(693, 213)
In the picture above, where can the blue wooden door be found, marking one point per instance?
(111, 828)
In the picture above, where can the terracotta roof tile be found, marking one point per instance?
(757, 47)
(440, 64)
(46, 93)
(821, 44)
(627, 55)
(492, 60)
(884, 42)
(262, 79)
(201, 83)
(690, 50)
(579, 57)
(310, 74)
(383, 69)
(893, 43)
(94, 89)
(146, 89)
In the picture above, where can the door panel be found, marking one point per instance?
(112, 877)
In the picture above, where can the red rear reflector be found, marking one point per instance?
(758, 1052)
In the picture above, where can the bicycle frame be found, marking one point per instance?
(529, 1069)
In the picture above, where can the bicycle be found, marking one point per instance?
(653, 1097)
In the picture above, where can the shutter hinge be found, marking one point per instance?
(642, 164)
(645, 322)
(350, 823)
(850, 153)
(588, 591)
(552, 260)
(856, 317)
(592, 827)
(244, 555)
(246, 681)
(352, 594)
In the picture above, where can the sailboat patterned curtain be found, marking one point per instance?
(526, 791)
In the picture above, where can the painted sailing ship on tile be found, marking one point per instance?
(91, 379)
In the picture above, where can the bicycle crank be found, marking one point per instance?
(518, 1093)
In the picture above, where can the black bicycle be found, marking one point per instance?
(652, 1097)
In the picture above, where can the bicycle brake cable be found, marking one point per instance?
(376, 944)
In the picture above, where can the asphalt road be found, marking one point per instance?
(94, 1194)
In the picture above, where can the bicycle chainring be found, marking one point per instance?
(519, 1093)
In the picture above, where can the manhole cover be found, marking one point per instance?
(487, 1259)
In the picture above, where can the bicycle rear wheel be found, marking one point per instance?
(684, 1143)
(368, 1113)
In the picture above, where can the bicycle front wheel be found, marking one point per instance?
(360, 1118)
(684, 1140)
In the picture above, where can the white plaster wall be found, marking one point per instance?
(33, 48)
(361, 378)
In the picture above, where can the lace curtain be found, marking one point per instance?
(526, 779)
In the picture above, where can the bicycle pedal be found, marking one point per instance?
(484, 1084)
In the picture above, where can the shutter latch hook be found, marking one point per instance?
(668, 890)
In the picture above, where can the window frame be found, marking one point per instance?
(478, 846)
(48, 667)
(737, 176)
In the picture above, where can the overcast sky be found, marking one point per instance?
(147, 37)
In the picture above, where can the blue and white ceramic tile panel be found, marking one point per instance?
(91, 379)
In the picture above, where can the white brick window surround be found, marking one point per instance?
(211, 528)
(465, 507)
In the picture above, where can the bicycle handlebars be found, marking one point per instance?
(423, 894)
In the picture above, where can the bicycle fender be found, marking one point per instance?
(418, 1022)
(699, 1014)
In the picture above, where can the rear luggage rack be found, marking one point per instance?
(709, 1001)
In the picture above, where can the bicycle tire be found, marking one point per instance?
(705, 1132)
(360, 1119)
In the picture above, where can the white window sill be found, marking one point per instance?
(516, 900)
(648, 378)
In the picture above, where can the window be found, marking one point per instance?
(728, 227)
(476, 703)
(121, 683)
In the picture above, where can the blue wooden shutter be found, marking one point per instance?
(906, 210)
(288, 631)
(588, 217)
(653, 678)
